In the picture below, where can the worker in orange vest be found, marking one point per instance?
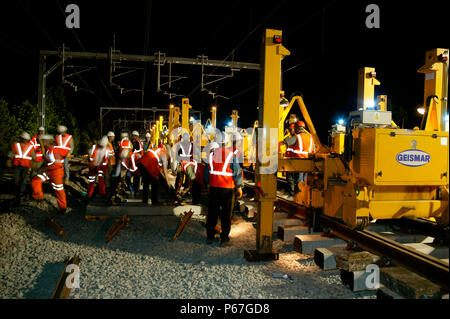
(130, 161)
(38, 147)
(98, 165)
(124, 144)
(21, 158)
(64, 142)
(153, 167)
(224, 176)
(305, 145)
(111, 151)
(52, 170)
(292, 151)
(139, 149)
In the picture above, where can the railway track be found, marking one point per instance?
(432, 268)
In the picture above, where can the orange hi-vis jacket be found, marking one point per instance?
(37, 149)
(152, 162)
(130, 163)
(98, 157)
(220, 173)
(111, 153)
(186, 153)
(63, 143)
(139, 150)
(125, 143)
(303, 146)
(22, 154)
(54, 158)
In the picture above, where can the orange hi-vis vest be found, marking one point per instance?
(303, 146)
(157, 153)
(152, 163)
(125, 143)
(141, 148)
(111, 153)
(220, 173)
(130, 163)
(185, 166)
(185, 156)
(63, 143)
(22, 154)
(96, 156)
(37, 149)
(54, 157)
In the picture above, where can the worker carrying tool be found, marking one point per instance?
(98, 165)
(21, 158)
(153, 168)
(37, 146)
(224, 176)
(52, 170)
(64, 142)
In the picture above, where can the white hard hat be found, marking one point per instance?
(41, 128)
(124, 134)
(25, 136)
(135, 133)
(147, 135)
(62, 129)
(104, 141)
(46, 137)
(111, 133)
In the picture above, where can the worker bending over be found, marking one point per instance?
(52, 170)
(224, 176)
(64, 142)
(98, 165)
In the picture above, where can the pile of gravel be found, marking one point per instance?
(143, 261)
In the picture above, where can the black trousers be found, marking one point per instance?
(156, 184)
(221, 203)
(196, 192)
(293, 179)
(20, 179)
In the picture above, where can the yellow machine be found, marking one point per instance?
(382, 172)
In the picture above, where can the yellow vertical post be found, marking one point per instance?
(213, 116)
(171, 117)
(234, 119)
(382, 102)
(269, 104)
(436, 88)
(366, 88)
(185, 113)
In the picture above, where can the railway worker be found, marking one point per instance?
(153, 168)
(129, 164)
(292, 151)
(224, 176)
(139, 149)
(183, 154)
(52, 170)
(98, 165)
(306, 145)
(124, 144)
(37, 147)
(147, 144)
(21, 158)
(64, 142)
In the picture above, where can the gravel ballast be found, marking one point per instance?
(143, 261)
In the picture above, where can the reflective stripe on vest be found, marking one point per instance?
(225, 165)
(183, 153)
(23, 155)
(60, 143)
(51, 158)
(189, 164)
(155, 153)
(133, 167)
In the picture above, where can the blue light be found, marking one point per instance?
(340, 121)
(230, 123)
(208, 127)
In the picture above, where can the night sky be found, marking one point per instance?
(328, 41)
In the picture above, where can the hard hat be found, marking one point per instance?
(46, 137)
(62, 129)
(292, 125)
(104, 141)
(135, 133)
(124, 134)
(25, 136)
(41, 128)
(300, 124)
(111, 133)
(147, 135)
(293, 119)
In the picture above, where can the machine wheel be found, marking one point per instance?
(361, 223)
